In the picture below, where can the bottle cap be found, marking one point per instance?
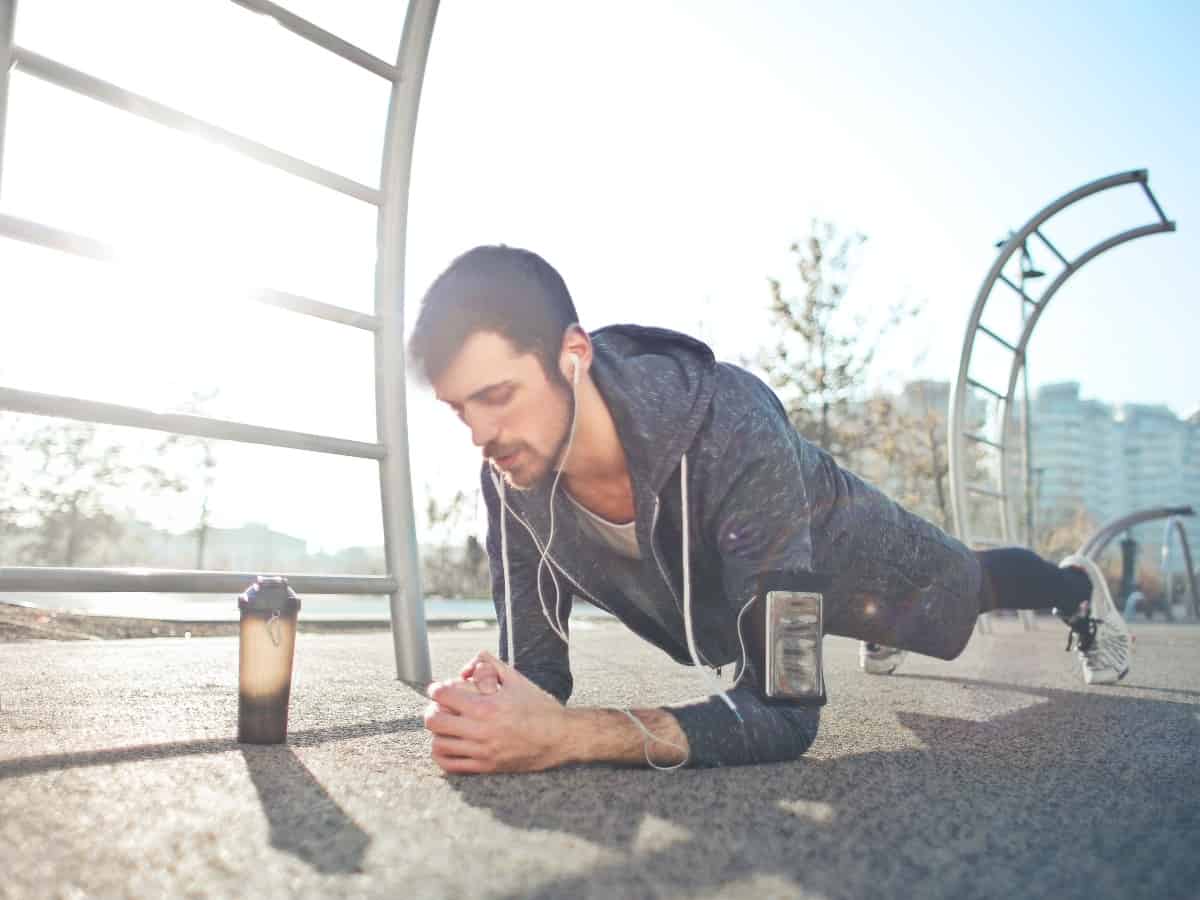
(269, 593)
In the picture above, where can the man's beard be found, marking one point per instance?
(555, 456)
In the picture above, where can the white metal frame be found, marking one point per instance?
(403, 585)
(959, 433)
(1175, 523)
(1099, 540)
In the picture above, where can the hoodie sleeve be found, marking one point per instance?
(541, 653)
(763, 517)
(763, 524)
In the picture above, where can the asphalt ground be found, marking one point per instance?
(997, 775)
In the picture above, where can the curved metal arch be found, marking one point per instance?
(1189, 569)
(958, 435)
(1102, 537)
(1018, 363)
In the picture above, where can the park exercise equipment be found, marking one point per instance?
(983, 485)
(1096, 544)
(390, 197)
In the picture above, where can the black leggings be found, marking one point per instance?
(1016, 578)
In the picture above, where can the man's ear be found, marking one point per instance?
(576, 357)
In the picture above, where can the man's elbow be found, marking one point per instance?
(796, 734)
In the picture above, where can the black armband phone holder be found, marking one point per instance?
(783, 633)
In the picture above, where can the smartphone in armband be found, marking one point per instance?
(793, 639)
(790, 624)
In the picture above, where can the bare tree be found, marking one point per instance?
(909, 452)
(8, 483)
(823, 355)
(1062, 531)
(195, 459)
(70, 503)
(450, 568)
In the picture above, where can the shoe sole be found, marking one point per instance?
(881, 671)
(1107, 680)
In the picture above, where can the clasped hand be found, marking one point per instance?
(493, 719)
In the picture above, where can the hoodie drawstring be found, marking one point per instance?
(713, 682)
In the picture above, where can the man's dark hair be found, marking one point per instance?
(511, 292)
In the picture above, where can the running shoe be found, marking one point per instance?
(876, 659)
(1098, 631)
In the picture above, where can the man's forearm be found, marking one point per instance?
(608, 735)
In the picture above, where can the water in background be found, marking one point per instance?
(223, 608)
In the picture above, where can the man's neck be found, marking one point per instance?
(596, 453)
(597, 471)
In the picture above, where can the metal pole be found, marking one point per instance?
(409, 637)
(8, 19)
(1027, 432)
(1168, 585)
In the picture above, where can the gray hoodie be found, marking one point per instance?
(760, 499)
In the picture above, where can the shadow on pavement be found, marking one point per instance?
(31, 765)
(1072, 795)
(304, 820)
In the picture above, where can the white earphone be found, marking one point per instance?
(574, 369)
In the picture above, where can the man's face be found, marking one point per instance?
(517, 415)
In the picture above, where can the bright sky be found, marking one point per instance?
(662, 155)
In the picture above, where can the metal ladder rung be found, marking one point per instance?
(983, 387)
(81, 410)
(1162, 217)
(986, 491)
(1049, 246)
(1028, 299)
(980, 439)
(39, 235)
(86, 85)
(995, 337)
(318, 36)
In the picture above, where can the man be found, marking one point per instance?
(630, 468)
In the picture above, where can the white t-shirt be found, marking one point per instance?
(620, 537)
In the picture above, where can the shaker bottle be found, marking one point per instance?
(268, 639)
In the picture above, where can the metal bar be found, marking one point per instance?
(1189, 567)
(983, 387)
(958, 393)
(177, 581)
(102, 91)
(1099, 540)
(1048, 295)
(990, 542)
(995, 337)
(315, 308)
(178, 423)
(1162, 217)
(1050, 246)
(987, 492)
(409, 638)
(36, 233)
(980, 439)
(326, 40)
(8, 19)
(1028, 299)
(80, 245)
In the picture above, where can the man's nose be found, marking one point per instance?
(483, 429)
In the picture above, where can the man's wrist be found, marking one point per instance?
(594, 734)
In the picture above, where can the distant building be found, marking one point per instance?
(1113, 459)
(254, 548)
